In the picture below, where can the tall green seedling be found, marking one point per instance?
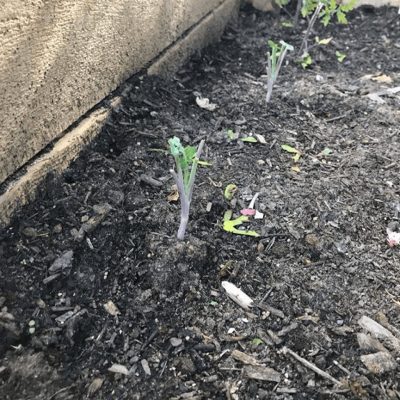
(275, 58)
(186, 161)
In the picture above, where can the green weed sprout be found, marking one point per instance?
(275, 59)
(186, 161)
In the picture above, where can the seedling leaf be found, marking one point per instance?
(230, 191)
(231, 135)
(230, 224)
(340, 56)
(289, 149)
(257, 341)
(323, 41)
(249, 139)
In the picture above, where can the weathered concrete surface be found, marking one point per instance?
(66, 149)
(61, 57)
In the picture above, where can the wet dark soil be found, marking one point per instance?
(99, 300)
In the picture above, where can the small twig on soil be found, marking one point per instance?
(304, 44)
(150, 339)
(266, 295)
(340, 366)
(311, 366)
(60, 391)
(339, 116)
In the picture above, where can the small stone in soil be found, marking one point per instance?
(119, 369)
(145, 366)
(175, 342)
(366, 342)
(379, 363)
(62, 263)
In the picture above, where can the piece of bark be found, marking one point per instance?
(260, 373)
(272, 310)
(243, 358)
(382, 319)
(377, 331)
(284, 331)
(379, 363)
(367, 342)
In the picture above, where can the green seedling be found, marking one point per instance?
(186, 161)
(275, 59)
(290, 149)
(282, 3)
(230, 191)
(287, 24)
(306, 61)
(323, 42)
(231, 135)
(329, 9)
(249, 139)
(230, 225)
(257, 341)
(340, 56)
(324, 10)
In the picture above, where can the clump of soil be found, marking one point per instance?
(99, 298)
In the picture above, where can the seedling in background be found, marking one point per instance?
(306, 61)
(186, 160)
(275, 58)
(324, 10)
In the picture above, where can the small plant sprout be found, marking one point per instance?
(340, 56)
(275, 59)
(186, 160)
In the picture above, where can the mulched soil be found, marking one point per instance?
(104, 233)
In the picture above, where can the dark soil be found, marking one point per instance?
(322, 260)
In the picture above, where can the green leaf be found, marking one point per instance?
(175, 146)
(231, 135)
(230, 224)
(341, 17)
(286, 45)
(287, 24)
(326, 152)
(272, 44)
(289, 149)
(204, 163)
(296, 157)
(282, 3)
(230, 191)
(249, 139)
(323, 41)
(340, 56)
(306, 61)
(257, 341)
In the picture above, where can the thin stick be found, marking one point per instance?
(304, 44)
(311, 366)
